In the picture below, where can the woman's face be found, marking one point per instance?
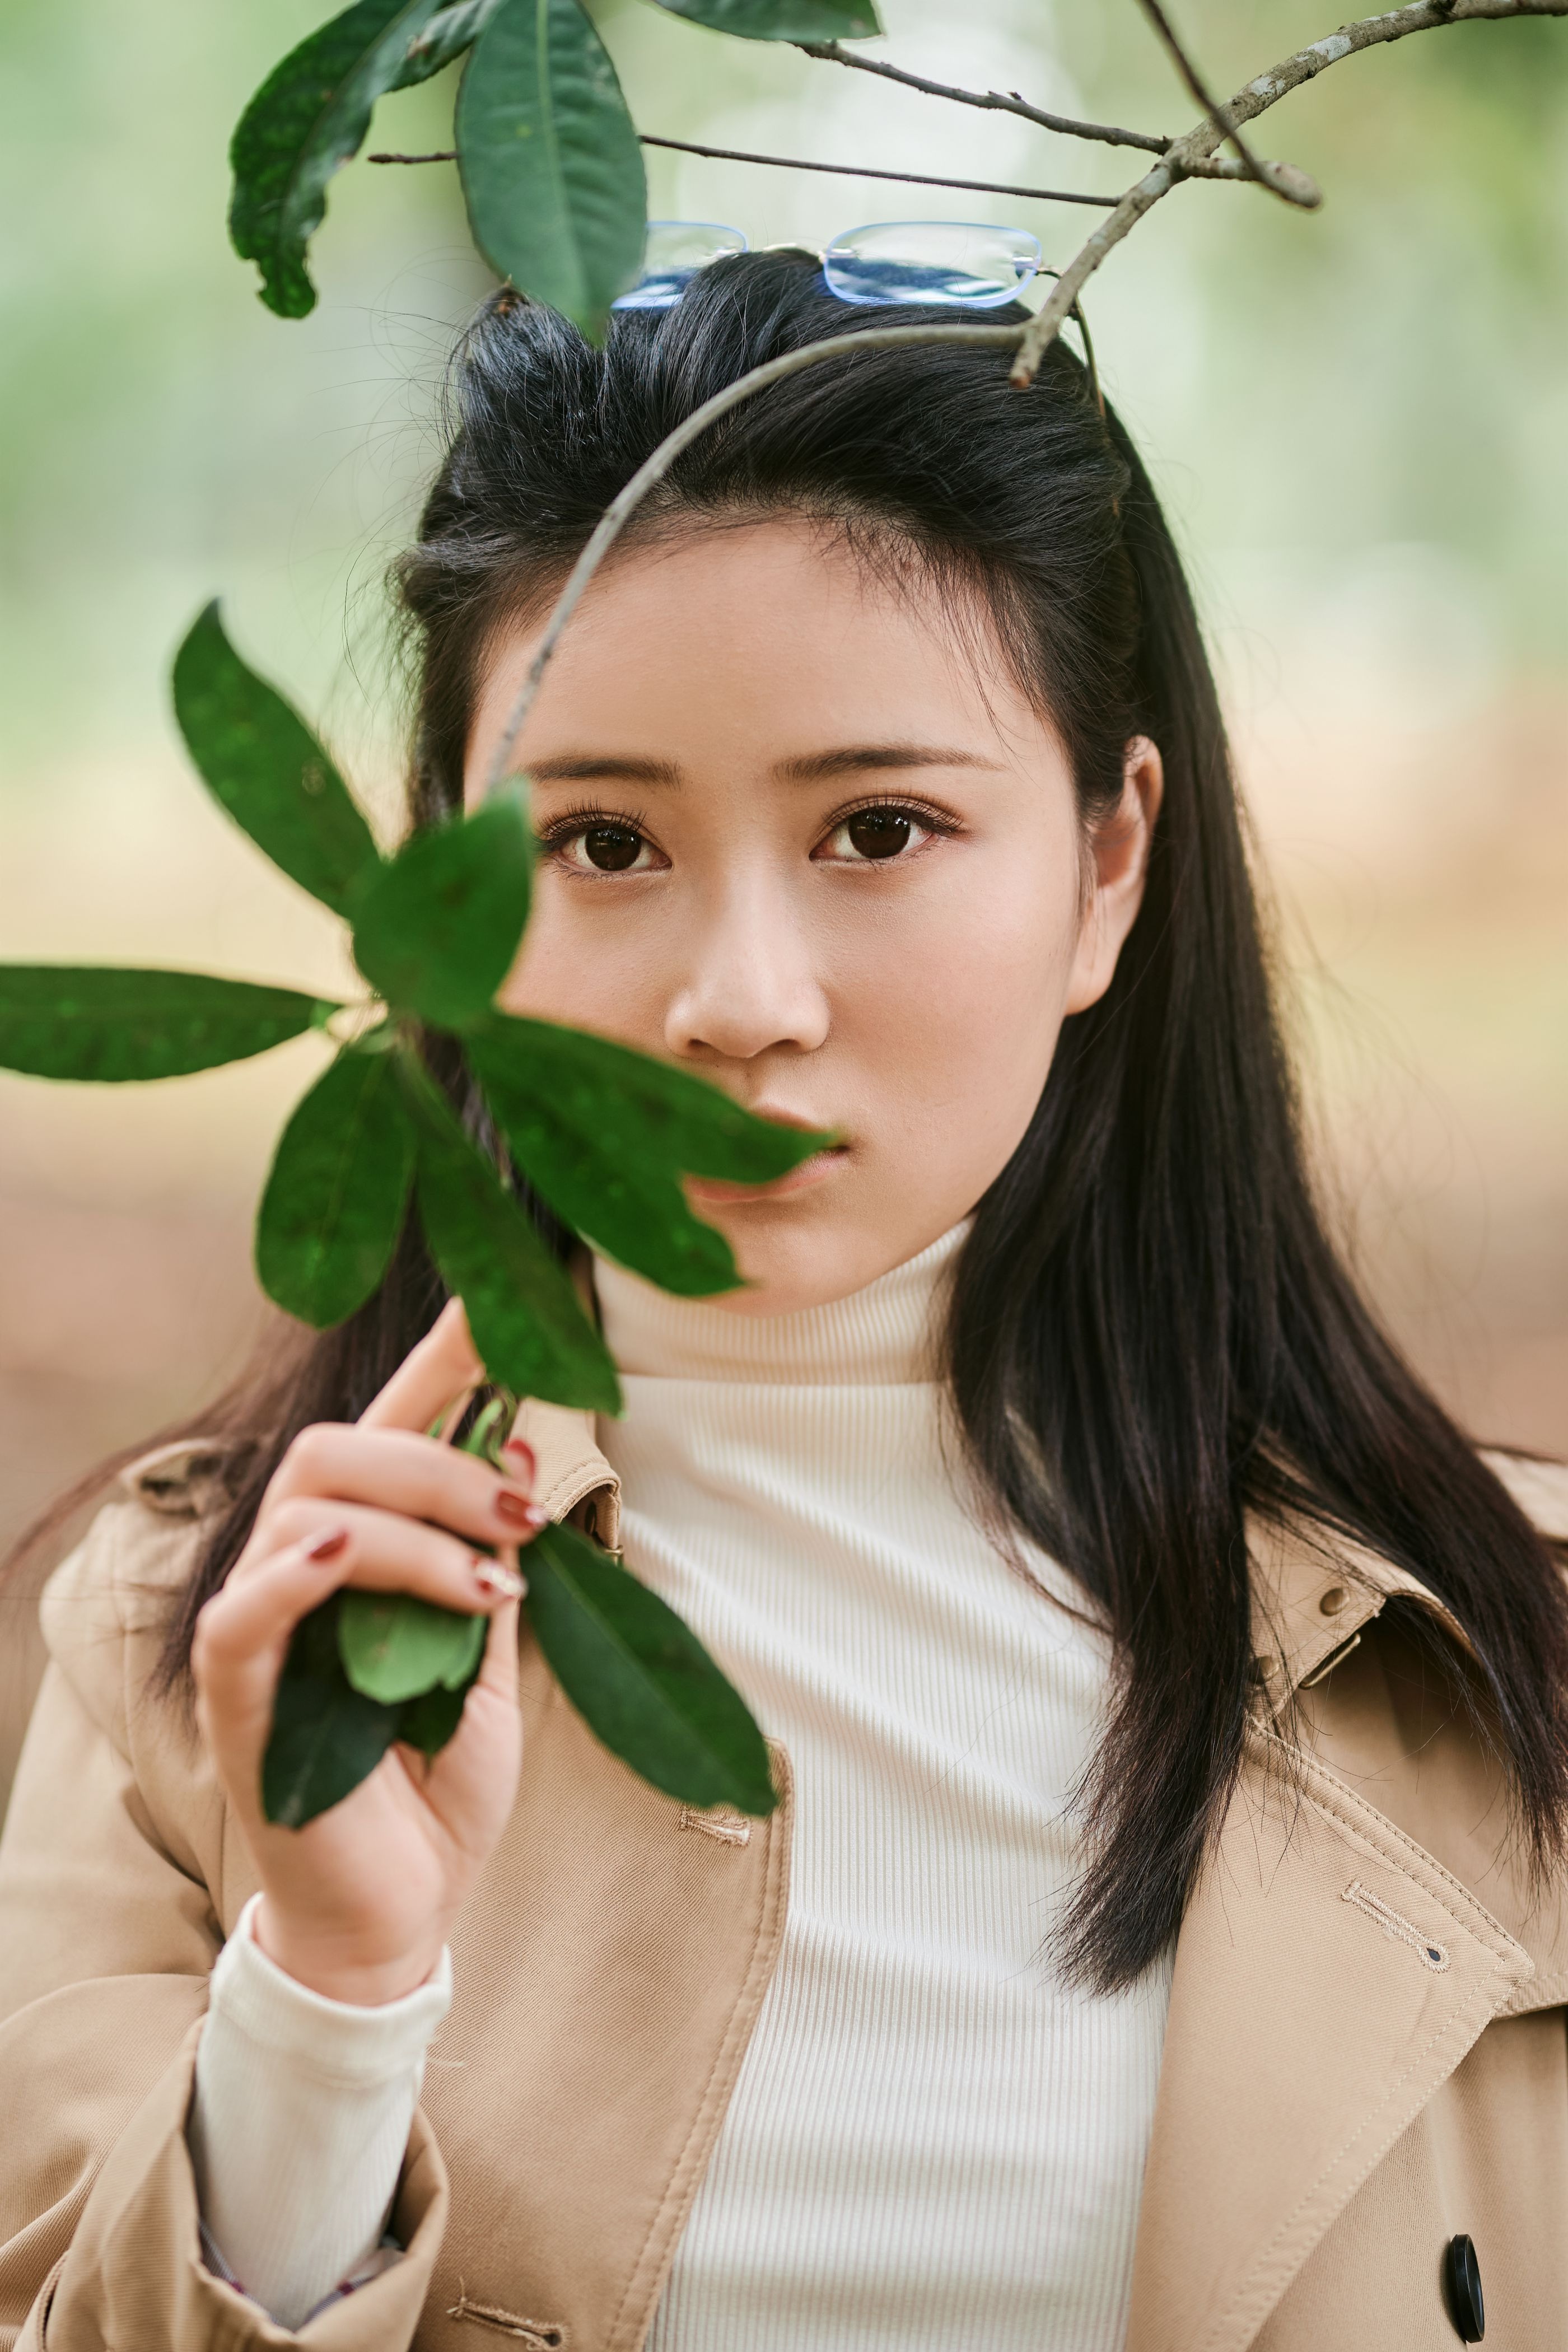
(801, 837)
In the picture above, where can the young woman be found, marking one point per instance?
(1160, 1941)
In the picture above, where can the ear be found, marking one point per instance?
(1119, 865)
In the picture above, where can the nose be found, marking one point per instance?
(751, 985)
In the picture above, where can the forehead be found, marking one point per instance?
(783, 627)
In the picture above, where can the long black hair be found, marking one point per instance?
(1151, 1336)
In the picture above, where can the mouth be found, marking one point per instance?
(712, 1193)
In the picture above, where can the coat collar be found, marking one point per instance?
(1360, 1922)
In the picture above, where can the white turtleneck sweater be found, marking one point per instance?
(933, 2140)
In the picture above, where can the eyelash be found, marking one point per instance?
(585, 817)
(930, 818)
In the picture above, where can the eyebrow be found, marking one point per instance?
(855, 759)
(584, 767)
(810, 768)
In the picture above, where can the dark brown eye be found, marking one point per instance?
(878, 832)
(610, 847)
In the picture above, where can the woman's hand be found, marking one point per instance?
(357, 1904)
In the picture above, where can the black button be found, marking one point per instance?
(1462, 2282)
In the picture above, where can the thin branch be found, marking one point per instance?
(1213, 167)
(1262, 92)
(654, 468)
(1029, 343)
(999, 101)
(798, 163)
(1199, 91)
(864, 171)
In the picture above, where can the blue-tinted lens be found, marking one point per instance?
(966, 263)
(675, 252)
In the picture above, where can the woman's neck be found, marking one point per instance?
(887, 1335)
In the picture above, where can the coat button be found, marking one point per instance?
(1462, 2279)
(1333, 1600)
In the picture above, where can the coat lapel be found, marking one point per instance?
(1329, 1976)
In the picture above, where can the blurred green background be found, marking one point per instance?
(1359, 419)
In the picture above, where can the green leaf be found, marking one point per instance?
(263, 765)
(335, 1198)
(326, 1737)
(551, 166)
(70, 1020)
(445, 37)
(782, 20)
(641, 1680)
(522, 1310)
(308, 116)
(604, 1134)
(428, 1721)
(437, 929)
(395, 1646)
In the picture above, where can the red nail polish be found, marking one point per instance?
(523, 1460)
(515, 1511)
(326, 1545)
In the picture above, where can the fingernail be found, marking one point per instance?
(519, 1514)
(499, 1582)
(523, 1460)
(326, 1545)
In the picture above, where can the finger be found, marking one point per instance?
(397, 1471)
(444, 1366)
(499, 1670)
(382, 1551)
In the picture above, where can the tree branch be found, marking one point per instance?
(1181, 161)
(1264, 92)
(1212, 167)
(798, 163)
(1211, 105)
(864, 171)
(653, 470)
(834, 53)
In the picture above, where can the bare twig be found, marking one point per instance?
(1029, 342)
(608, 528)
(1004, 102)
(1212, 167)
(1264, 92)
(864, 171)
(797, 164)
(1211, 106)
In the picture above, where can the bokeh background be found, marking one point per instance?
(1359, 420)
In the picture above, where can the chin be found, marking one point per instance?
(795, 1257)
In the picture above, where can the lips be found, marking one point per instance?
(711, 1193)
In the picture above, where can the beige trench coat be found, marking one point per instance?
(1365, 2056)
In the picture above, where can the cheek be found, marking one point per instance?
(587, 975)
(959, 1001)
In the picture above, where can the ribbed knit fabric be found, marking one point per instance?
(299, 2122)
(933, 2142)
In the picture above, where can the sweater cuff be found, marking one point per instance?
(334, 2042)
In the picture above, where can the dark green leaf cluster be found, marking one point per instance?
(549, 157)
(603, 1134)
